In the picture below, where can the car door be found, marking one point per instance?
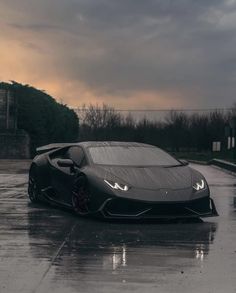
(62, 178)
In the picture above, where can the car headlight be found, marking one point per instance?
(199, 185)
(117, 186)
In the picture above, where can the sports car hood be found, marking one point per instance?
(148, 177)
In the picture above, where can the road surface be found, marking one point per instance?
(44, 249)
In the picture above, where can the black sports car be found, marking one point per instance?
(118, 180)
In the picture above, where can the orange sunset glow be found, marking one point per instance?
(78, 55)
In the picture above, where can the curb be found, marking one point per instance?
(228, 166)
(223, 164)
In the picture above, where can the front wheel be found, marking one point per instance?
(33, 188)
(80, 196)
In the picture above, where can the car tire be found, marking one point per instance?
(80, 196)
(33, 187)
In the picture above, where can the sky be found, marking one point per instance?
(135, 54)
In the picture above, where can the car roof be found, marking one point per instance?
(87, 144)
(112, 143)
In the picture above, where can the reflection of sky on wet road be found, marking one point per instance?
(43, 249)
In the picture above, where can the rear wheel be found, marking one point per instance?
(33, 187)
(81, 196)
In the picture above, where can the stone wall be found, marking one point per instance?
(14, 145)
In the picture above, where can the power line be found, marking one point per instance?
(160, 110)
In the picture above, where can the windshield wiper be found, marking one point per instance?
(173, 166)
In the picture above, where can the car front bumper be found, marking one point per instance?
(118, 208)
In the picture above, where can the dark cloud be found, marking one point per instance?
(35, 26)
(124, 46)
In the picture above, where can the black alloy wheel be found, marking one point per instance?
(33, 188)
(81, 196)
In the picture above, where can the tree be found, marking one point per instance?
(44, 119)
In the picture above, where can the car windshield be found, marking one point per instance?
(131, 156)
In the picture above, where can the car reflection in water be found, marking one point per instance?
(116, 251)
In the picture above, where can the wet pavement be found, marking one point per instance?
(44, 249)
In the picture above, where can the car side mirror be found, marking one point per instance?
(65, 163)
(184, 162)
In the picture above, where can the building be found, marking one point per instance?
(14, 143)
(8, 111)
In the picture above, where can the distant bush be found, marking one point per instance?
(45, 120)
(177, 132)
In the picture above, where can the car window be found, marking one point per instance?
(131, 156)
(76, 154)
